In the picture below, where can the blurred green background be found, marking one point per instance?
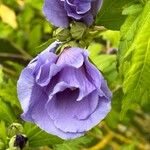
(23, 29)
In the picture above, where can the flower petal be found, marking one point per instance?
(93, 73)
(46, 72)
(68, 114)
(77, 78)
(41, 118)
(47, 56)
(34, 99)
(106, 90)
(61, 86)
(46, 68)
(88, 19)
(25, 86)
(55, 13)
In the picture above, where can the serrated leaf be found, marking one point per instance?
(135, 60)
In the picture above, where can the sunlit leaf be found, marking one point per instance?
(8, 16)
(135, 59)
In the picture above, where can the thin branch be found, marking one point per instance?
(13, 56)
(106, 139)
(22, 51)
(9, 71)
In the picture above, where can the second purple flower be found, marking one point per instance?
(60, 12)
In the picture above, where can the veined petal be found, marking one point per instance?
(47, 56)
(93, 73)
(25, 86)
(46, 72)
(46, 68)
(77, 78)
(88, 19)
(37, 95)
(106, 90)
(71, 57)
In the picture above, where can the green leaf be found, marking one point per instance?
(26, 17)
(110, 14)
(73, 144)
(127, 35)
(35, 38)
(3, 132)
(5, 30)
(6, 112)
(38, 137)
(44, 45)
(135, 59)
(3, 135)
(36, 4)
(2, 145)
(8, 93)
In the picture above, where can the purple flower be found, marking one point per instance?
(60, 12)
(63, 94)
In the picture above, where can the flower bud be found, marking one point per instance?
(18, 142)
(14, 129)
(77, 30)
